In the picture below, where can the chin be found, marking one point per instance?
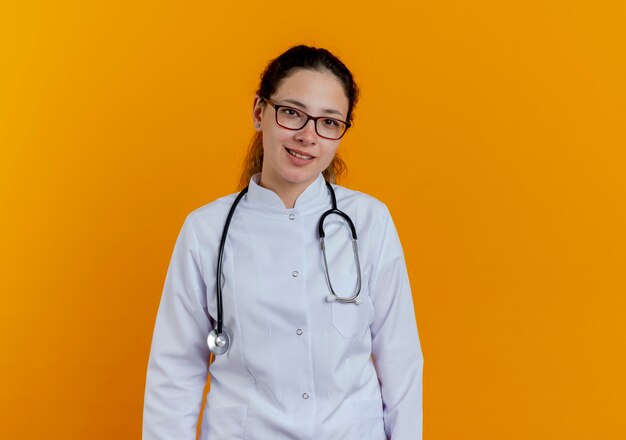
(299, 177)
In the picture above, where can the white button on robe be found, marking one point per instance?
(274, 383)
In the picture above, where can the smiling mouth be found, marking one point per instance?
(298, 155)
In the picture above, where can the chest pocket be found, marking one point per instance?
(350, 320)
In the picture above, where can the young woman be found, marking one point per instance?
(311, 338)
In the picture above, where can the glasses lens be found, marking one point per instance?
(290, 118)
(330, 128)
(294, 119)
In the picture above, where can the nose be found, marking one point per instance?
(307, 134)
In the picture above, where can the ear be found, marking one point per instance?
(258, 105)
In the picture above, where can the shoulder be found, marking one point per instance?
(361, 202)
(207, 221)
(216, 208)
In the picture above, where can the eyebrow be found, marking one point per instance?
(300, 104)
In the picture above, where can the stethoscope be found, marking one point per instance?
(218, 339)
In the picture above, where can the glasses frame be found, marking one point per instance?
(308, 118)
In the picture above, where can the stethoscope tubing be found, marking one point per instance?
(219, 340)
(220, 313)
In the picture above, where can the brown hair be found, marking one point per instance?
(299, 57)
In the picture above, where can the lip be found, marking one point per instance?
(296, 161)
(304, 153)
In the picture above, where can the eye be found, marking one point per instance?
(290, 112)
(331, 123)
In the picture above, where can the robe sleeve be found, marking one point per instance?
(396, 347)
(179, 356)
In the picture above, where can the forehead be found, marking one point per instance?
(317, 90)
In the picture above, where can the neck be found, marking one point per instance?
(287, 193)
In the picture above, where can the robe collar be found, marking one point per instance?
(314, 194)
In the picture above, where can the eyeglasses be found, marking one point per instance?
(294, 119)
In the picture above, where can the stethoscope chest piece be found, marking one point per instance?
(218, 342)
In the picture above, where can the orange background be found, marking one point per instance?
(494, 131)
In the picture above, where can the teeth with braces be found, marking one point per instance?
(293, 153)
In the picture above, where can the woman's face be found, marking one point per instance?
(318, 93)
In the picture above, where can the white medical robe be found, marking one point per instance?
(299, 366)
